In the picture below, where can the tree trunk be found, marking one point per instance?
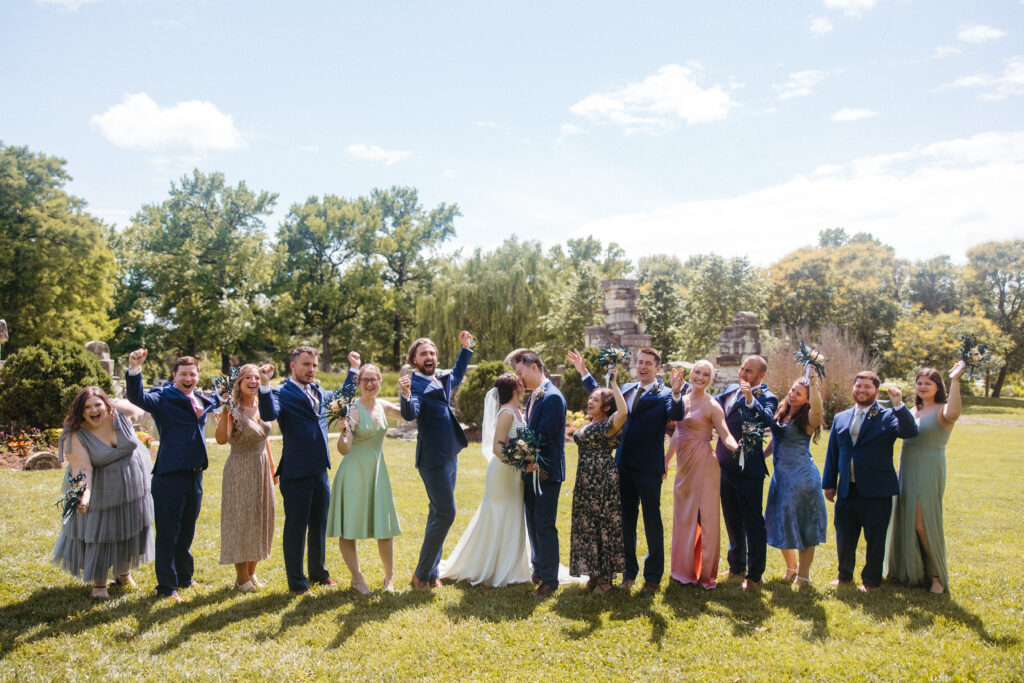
(998, 386)
(396, 349)
(325, 353)
(225, 364)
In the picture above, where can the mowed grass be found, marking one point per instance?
(51, 630)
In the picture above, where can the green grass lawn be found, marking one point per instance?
(51, 630)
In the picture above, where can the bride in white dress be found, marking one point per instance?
(494, 549)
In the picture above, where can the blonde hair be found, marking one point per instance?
(236, 388)
(703, 362)
(366, 368)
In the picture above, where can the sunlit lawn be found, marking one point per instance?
(50, 629)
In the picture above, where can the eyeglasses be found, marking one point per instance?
(370, 380)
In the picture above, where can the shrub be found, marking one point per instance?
(846, 357)
(572, 389)
(38, 383)
(469, 404)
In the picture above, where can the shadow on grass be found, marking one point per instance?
(576, 604)
(804, 603)
(242, 609)
(378, 607)
(67, 610)
(510, 603)
(746, 611)
(920, 608)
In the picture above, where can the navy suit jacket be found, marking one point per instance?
(642, 447)
(871, 455)
(763, 411)
(182, 442)
(439, 434)
(304, 451)
(547, 418)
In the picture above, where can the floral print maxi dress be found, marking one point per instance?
(595, 546)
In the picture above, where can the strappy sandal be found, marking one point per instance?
(790, 575)
(802, 580)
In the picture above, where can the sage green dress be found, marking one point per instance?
(922, 478)
(362, 505)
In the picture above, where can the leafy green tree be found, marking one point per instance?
(38, 383)
(574, 305)
(469, 401)
(995, 279)
(56, 271)
(406, 241)
(661, 312)
(572, 385)
(203, 257)
(934, 285)
(833, 237)
(922, 338)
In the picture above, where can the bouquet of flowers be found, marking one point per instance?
(224, 384)
(337, 407)
(611, 356)
(73, 498)
(523, 450)
(751, 438)
(810, 358)
(974, 354)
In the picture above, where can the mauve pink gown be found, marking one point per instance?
(695, 532)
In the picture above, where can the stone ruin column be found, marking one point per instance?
(740, 339)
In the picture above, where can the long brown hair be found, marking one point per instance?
(936, 378)
(236, 388)
(801, 417)
(76, 415)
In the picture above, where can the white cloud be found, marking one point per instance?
(978, 33)
(376, 154)
(936, 199)
(944, 51)
(658, 103)
(851, 8)
(799, 84)
(821, 26)
(846, 115)
(71, 5)
(139, 122)
(994, 87)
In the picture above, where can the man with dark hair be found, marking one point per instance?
(300, 408)
(177, 487)
(426, 398)
(859, 456)
(641, 458)
(742, 491)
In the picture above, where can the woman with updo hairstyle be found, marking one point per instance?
(916, 553)
(362, 505)
(247, 495)
(595, 540)
(113, 527)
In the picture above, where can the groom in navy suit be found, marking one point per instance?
(641, 458)
(545, 415)
(177, 486)
(743, 487)
(860, 456)
(300, 408)
(426, 398)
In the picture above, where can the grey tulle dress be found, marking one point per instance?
(116, 531)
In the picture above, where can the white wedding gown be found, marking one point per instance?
(494, 550)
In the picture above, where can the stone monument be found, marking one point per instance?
(737, 341)
(102, 353)
(621, 326)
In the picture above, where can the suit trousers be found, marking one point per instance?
(541, 514)
(306, 502)
(642, 491)
(177, 499)
(744, 522)
(856, 512)
(440, 485)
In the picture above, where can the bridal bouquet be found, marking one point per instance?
(337, 407)
(974, 355)
(223, 384)
(523, 450)
(810, 358)
(611, 356)
(751, 438)
(73, 498)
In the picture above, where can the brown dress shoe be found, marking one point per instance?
(627, 584)
(329, 582)
(420, 585)
(542, 590)
(747, 583)
(651, 587)
(437, 583)
(535, 579)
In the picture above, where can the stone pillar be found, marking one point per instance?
(621, 325)
(740, 339)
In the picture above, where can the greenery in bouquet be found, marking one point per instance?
(524, 450)
(70, 501)
(813, 358)
(974, 354)
(337, 408)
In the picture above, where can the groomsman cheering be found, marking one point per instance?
(860, 456)
(300, 408)
(743, 486)
(641, 458)
(177, 486)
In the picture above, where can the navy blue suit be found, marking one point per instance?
(641, 461)
(742, 490)
(177, 486)
(305, 488)
(865, 503)
(547, 419)
(438, 442)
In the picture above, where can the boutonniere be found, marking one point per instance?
(538, 395)
(758, 391)
(873, 413)
(658, 387)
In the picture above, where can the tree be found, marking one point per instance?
(575, 305)
(469, 401)
(204, 259)
(922, 338)
(407, 240)
(995, 279)
(323, 267)
(56, 270)
(661, 312)
(934, 285)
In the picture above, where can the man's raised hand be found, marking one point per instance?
(896, 396)
(406, 385)
(136, 358)
(576, 358)
(678, 379)
(466, 338)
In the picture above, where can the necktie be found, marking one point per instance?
(313, 398)
(858, 420)
(196, 405)
(639, 395)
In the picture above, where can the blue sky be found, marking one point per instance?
(741, 128)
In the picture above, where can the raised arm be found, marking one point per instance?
(950, 412)
(906, 425)
(817, 408)
(674, 409)
(268, 398)
(133, 383)
(127, 409)
(717, 415)
(589, 383)
(621, 413)
(410, 404)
